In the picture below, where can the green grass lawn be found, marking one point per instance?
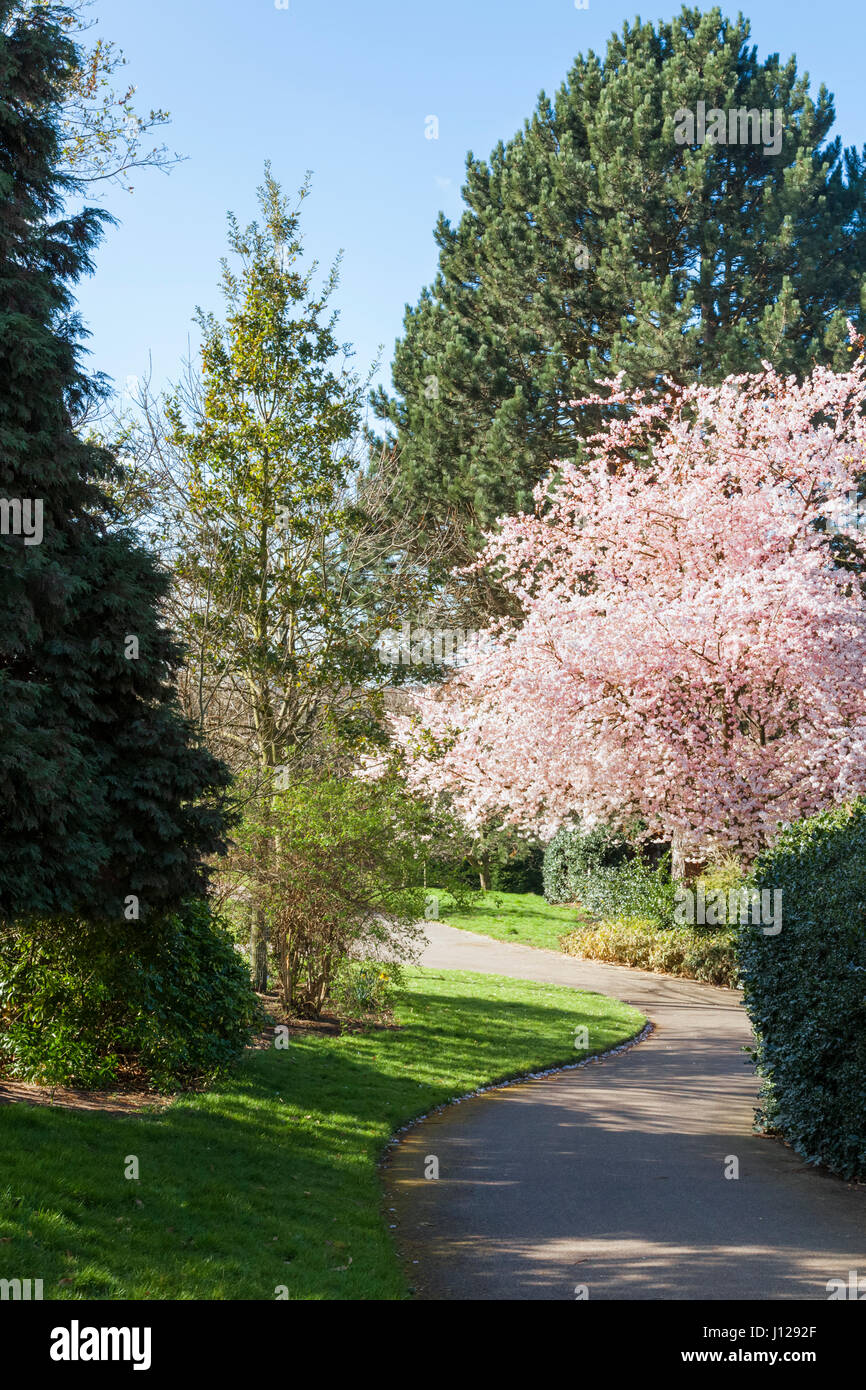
(271, 1178)
(522, 917)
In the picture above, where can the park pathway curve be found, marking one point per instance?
(612, 1176)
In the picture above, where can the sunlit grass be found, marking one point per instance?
(270, 1179)
(521, 917)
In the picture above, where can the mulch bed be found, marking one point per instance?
(123, 1101)
(327, 1023)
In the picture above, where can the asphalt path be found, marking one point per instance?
(609, 1181)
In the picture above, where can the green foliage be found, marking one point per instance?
(697, 953)
(105, 791)
(492, 855)
(575, 853)
(805, 989)
(364, 987)
(463, 897)
(592, 242)
(339, 877)
(634, 904)
(629, 889)
(521, 871)
(83, 1006)
(722, 875)
(269, 544)
(514, 870)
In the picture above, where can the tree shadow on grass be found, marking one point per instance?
(269, 1179)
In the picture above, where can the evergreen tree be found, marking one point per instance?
(108, 804)
(272, 557)
(259, 450)
(594, 242)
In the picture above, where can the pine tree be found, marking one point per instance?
(595, 242)
(108, 805)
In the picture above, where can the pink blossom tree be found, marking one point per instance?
(691, 649)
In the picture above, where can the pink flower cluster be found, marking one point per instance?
(690, 651)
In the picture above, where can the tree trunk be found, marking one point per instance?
(259, 950)
(678, 858)
(685, 868)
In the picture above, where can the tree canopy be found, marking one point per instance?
(595, 242)
(110, 802)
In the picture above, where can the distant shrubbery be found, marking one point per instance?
(632, 903)
(633, 889)
(697, 953)
(519, 871)
(87, 1005)
(805, 989)
(575, 854)
(494, 858)
(607, 875)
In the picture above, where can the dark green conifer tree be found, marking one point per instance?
(107, 803)
(594, 241)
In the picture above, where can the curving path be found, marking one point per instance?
(612, 1176)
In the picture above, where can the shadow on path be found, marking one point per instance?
(613, 1176)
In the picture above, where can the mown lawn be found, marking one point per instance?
(521, 917)
(270, 1179)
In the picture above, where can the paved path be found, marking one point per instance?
(612, 1176)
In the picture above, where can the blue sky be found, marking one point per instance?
(343, 88)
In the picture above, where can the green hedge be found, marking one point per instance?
(521, 872)
(82, 1005)
(574, 854)
(805, 990)
(629, 890)
(696, 953)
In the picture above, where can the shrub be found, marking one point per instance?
(333, 862)
(721, 875)
(363, 987)
(696, 953)
(629, 889)
(575, 853)
(520, 872)
(805, 989)
(82, 1005)
(463, 898)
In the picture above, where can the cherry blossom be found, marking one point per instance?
(689, 652)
